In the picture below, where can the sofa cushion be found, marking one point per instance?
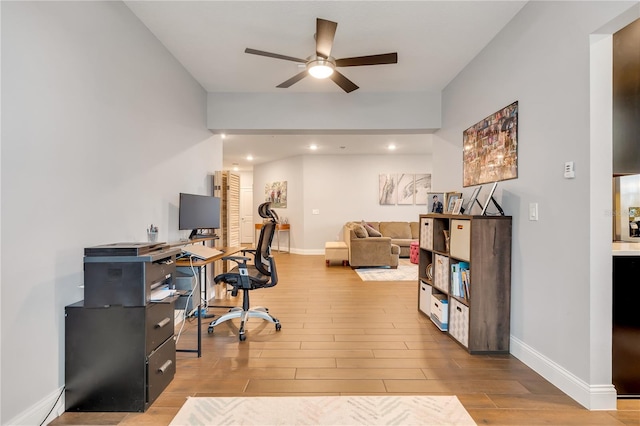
(398, 230)
(359, 230)
(415, 230)
(370, 230)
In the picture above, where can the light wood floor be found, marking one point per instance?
(343, 336)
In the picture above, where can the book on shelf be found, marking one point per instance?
(460, 278)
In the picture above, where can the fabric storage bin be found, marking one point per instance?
(459, 322)
(460, 245)
(424, 302)
(440, 310)
(441, 273)
(426, 233)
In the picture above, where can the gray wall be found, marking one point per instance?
(101, 129)
(561, 292)
(341, 187)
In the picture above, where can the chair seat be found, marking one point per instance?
(256, 278)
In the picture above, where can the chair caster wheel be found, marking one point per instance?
(242, 337)
(278, 326)
(210, 329)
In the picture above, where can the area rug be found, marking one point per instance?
(324, 410)
(406, 271)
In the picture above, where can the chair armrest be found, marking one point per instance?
(238, 259)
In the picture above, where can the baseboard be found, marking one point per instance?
(304, 251)
(592, 397)
(37, 412)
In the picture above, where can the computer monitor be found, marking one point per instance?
(198, 212)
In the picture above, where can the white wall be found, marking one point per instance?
(341, 187)
(541, 59)
(415, 111)
(101, 129)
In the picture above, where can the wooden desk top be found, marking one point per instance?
(279, 226)
(226, 251)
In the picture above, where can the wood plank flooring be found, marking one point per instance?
(343, 336)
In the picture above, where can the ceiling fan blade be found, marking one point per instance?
(293, 80)
(385, 58)
(342, 81)
(325, 32)
(273, 55)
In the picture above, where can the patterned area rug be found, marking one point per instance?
(406, 271)
(324, 410)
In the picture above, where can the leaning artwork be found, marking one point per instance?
(490, 148)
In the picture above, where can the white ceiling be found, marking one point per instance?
(435, 40)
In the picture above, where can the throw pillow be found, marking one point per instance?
(370, 231)
(359, 231)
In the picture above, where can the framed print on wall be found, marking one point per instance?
(406, 190)
(490, 148)
(388, 189)
(422, 188)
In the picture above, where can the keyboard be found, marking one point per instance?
(159, 294)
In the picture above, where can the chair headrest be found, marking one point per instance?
(264, 210)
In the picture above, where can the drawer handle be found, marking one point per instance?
(163, 323)
(164, 366)
(436, 305)
(458, 309)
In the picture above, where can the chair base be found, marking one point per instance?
(244, 315)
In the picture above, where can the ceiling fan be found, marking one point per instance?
(322, 64)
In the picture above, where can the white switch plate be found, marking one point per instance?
(533, 211)
(315, 211)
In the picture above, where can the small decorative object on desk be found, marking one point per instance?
(152, 233)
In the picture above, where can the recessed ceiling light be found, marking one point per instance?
(391, 147)
(313, 147)
(222, 135)
(250, 157)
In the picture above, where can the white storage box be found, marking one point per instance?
(425, 298)
(441, 273)
(426, 233)
(459, 322)
(440, 310)
(460, 239)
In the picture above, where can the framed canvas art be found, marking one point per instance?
(490, 148)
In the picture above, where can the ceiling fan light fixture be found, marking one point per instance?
(320, 68)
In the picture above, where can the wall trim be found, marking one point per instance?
(35, 414)
(592, 397)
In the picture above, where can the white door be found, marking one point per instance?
(247, 233)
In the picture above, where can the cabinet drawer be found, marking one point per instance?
(160, 369)
(441, 273)
(460, 239)
(459, 322)
(426, 233)
(440, 310)
(160, 324)
(425, 298)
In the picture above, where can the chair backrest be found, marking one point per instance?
(263, 248)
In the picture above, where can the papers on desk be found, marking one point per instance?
(160, 294)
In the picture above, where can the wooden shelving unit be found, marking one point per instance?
(478, 319)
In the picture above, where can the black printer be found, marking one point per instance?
(125, 274)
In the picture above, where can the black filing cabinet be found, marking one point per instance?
(118, 358)
(120, 352)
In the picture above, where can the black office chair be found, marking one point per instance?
(246, 277)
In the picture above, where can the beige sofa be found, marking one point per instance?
(379, 243)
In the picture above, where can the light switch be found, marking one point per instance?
(315, 211)
(533, 211)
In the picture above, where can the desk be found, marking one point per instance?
(199, 264)
(280, 227)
